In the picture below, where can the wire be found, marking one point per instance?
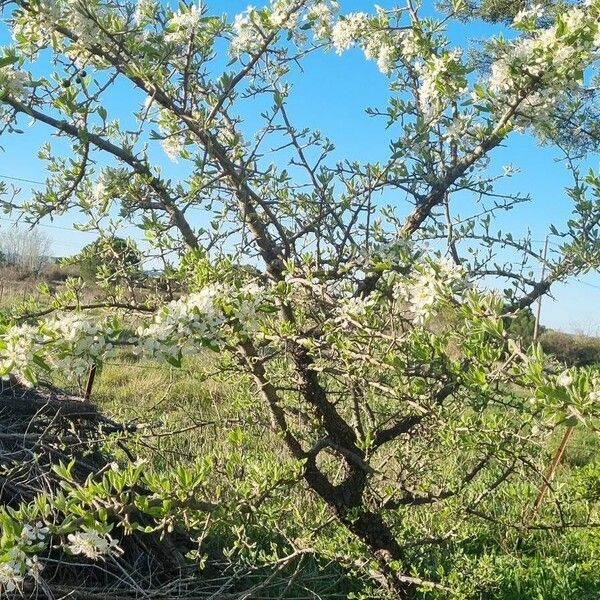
(589, 284)
(22, 179)
(44, 225)
(63, 228)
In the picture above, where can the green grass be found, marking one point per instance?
(182, 416)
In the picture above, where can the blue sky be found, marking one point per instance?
(331, 94)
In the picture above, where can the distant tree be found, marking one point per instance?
(522, 325)
(110, 260)
(571, 349)
(27, 250)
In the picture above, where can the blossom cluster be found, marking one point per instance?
(283, 14)
(320, 16)
(20, 561)
(251, 28)
(183, 24)
(173, 142)
(71, 342)
(36, 29)
(378, 42)
(413, 287)
(547, 63)
(542, 62)
(183, 325)
(246, 33)
(15, 567)
(204, 318)
(173, 146)
(348, 30)
(13, 82)
(431, 282)
(529, 16)
(77, 342)
(92, 545)
(18, 347)
(354, 308)
(442, 79)
(33, 30)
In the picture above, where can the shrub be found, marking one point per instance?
(571, 349)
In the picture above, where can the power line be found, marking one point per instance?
(590, 284)
(44, 225)
(22, 179)
(63, 228)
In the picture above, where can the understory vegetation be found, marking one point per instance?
(181, 417)
(274, 538)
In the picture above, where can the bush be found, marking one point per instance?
(124, 260)
(573, 350)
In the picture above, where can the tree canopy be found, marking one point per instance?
(355, 295)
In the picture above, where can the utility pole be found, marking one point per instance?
(536, 327)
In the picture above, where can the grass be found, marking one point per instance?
(183, 416)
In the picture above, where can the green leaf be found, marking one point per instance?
(7, 60)
(40, 362)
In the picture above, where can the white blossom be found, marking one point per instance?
(92, 545)
(430, 282)
(10, 576)
(13, 82)
(282, 14)
(551, 56)
(459, 127)
(441, 80)
(574, 18)
(183, 24)
(33, 534)
(85, 28)
(565, 379)
(99, 191)
(83, 336)
(182, 324)
(20, 345)
(33, 30)
(353, 308)
(533, 13)
(246, 35)
(173, 147)
(34, 567)
(409, 44)
(378, 47)
(321, 15)
(348, 30)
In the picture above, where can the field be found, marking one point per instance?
(289, 546)
(191, 419)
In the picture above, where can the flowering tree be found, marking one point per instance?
(365, 328)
